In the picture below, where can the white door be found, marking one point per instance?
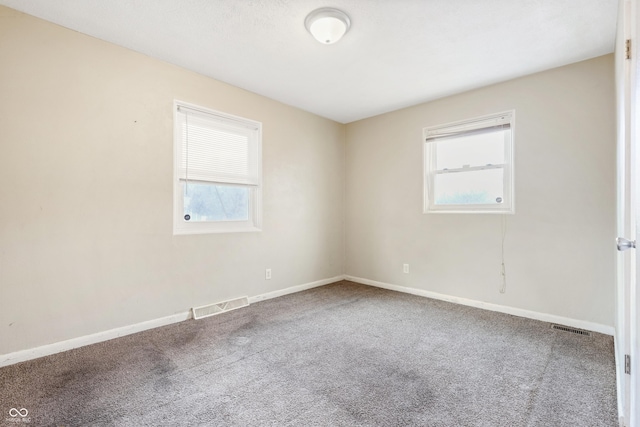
(627, 325)
(634, 189)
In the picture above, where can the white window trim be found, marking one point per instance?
(180, 226)
(429, 170)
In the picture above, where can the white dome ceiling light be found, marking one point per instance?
(327, 25)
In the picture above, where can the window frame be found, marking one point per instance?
(472, 125)
(254, 223)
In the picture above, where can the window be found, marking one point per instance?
(468, 165)
(217, 178)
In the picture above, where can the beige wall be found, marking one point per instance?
(86, 150)
(86, 240)
(559, 245)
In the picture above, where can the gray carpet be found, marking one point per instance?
(339, 355)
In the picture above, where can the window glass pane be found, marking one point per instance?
(469, 188)
(214, 202)
(474, 150)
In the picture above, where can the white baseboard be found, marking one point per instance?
(46, 350)
(294, 289)
(551, 318)
(49, 349)
(58, 347)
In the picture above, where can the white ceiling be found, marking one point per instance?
(398, 52)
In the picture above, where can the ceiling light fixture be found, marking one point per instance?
(327, 25)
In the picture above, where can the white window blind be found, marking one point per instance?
(493, 124)
(216, 150)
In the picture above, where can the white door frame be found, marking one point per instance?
(627, 302)
(626, 326)
(634, 189)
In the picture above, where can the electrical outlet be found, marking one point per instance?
(405, 268)
(267, 274)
